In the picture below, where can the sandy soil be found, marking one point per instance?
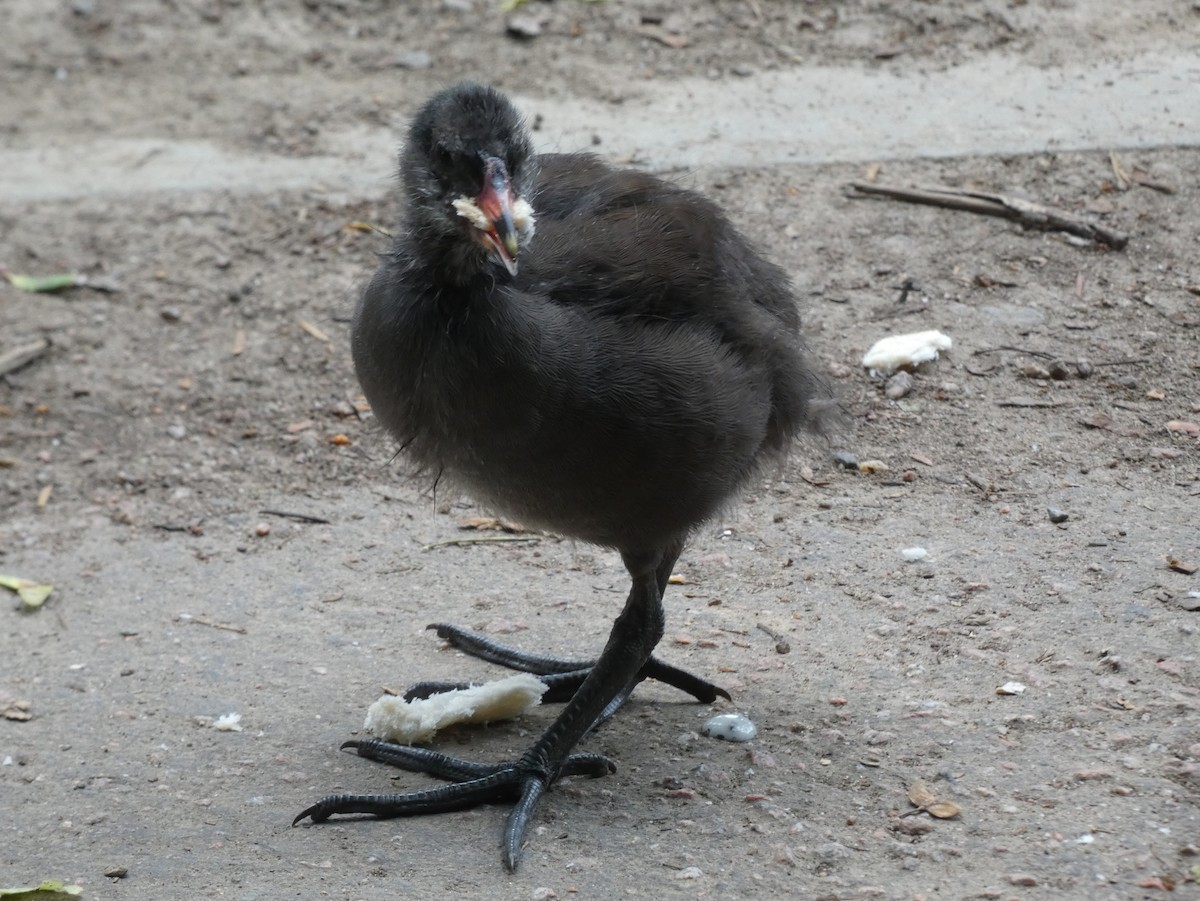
(140, 455)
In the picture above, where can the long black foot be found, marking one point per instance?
(562, 677)
(596, 691)
(475, 783)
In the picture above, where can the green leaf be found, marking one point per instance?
(43, 283)
(32, 595)
(50, 890)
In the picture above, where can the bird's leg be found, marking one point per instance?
(633, 637)
(563, 677)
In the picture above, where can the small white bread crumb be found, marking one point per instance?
(899, 351)
(468, 210)
(229, 722)
(409, 722)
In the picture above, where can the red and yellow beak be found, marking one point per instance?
(495, 201)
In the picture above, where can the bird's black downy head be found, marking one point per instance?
(467, 166)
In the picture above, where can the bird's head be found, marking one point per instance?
(467, 166)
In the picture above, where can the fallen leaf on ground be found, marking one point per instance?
(1182, 566)
(41, 284)
(924, 800)
(16, 710)
(32, 594)
(47, 891)
(943, 810)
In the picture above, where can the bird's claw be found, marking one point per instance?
(515, 782)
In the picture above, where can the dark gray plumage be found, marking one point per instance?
(614, 373)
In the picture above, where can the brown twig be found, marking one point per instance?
(299, 517)
(201, 621)
(1025, 212)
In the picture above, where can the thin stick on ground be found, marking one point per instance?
(1025, 212)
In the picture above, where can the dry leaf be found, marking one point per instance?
(32, 594)
(943, 810)
(1182, 566)
(12, 709)
(920, 795)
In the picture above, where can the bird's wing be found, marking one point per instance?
(627, 243)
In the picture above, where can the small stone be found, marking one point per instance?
(1056, 515)
(523, 26)
(262, 530)
(1059, 371)
(170, 314)
(178, 432)
(730, 727)
(414, 59)
(690, 873)
(116, 872)
(1022, 879)
(742, 70)
(913, 554)
(898, 385)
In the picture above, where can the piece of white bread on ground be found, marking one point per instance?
(898, 351)
(409, 722)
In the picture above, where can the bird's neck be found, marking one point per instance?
(448, 260)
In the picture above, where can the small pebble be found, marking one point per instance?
(898, 386)
(1059, 371)
(730, 727)
(913, 554)
(1056, 515)
(523, 26)
(178, 432)
(414, 59)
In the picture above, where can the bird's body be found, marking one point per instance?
(615, 374)
(618, 389)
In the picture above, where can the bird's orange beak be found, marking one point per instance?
(495, 201)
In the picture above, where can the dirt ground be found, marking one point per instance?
(1049, 465)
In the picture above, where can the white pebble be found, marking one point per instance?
(730, 727)
(913, 554)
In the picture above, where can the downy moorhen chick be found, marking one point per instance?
(591, 351)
